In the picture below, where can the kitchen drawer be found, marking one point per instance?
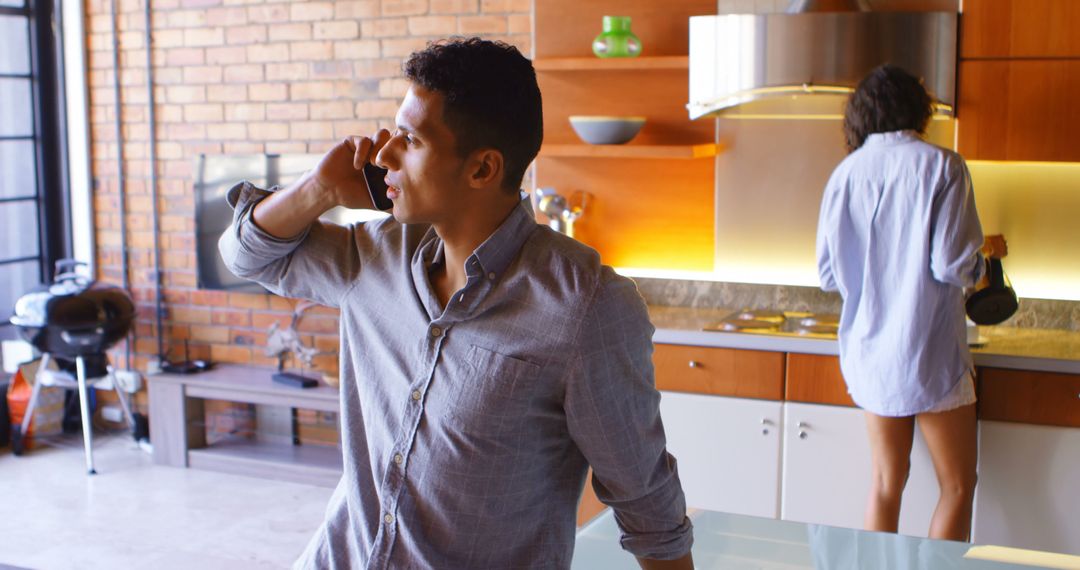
(1029, 397)
(719, 371)
(816, 379)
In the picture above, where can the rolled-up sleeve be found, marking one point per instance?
(319, 264)
(612, 409)
(956, 235)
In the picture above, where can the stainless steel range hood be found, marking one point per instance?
(804, 65)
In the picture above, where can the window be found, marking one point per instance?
(34, 206)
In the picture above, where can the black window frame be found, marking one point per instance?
(52, 192)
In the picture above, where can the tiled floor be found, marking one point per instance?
(134, 514)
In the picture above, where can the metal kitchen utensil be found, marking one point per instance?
(995, 301)
(561, 213)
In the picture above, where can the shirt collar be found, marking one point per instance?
(503, 245)
(892, 137)
(496, 252)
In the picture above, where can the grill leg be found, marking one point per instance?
(38, 382)
(84, 405)
(123, 401)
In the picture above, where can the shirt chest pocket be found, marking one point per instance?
(495, 393)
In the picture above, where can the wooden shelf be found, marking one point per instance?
(312, 464)
(630, 151)
(612, 64)
(652, 202)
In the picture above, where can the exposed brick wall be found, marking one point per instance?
(239, 77)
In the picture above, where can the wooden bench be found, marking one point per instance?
(178, 426)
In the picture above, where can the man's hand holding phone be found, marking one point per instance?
(348, 177)
(341, 178)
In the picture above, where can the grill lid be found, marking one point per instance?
(74, 315)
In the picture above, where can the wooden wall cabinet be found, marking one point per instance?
(1020, 29)
(652, 199)
(1019, 110)
(1019, 80)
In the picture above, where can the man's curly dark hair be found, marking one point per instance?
(491, 96)
(887, 99)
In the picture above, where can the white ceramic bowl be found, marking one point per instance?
(599, 129)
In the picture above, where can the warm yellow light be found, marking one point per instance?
(648, 273)
(804, 117)
(1035, 206)
(788, 102)
(1051, 168)
(787, 275)
(785, 117)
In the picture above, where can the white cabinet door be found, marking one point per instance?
(728, 451)
(1028, 494)
(826, 470)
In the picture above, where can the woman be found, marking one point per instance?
(900, 239)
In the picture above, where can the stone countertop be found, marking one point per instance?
(1047, 350)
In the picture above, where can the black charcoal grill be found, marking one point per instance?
(72, 322)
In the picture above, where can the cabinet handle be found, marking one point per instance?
(695, 364)
(801, 425)
(766, 422)
(802, 434)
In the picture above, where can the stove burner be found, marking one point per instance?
(748, 325)
(781, 323)
(817, 330)
(823, 319)
(760, 315)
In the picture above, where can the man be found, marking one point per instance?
(486, 361)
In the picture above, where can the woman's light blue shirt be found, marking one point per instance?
(899, 238)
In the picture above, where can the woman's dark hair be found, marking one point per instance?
(887, 99)
(491, 98)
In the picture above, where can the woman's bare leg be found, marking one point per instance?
(890, 449)
(952, 438)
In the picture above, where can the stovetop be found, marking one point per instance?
(781, 323)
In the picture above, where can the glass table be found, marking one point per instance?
(740, 542)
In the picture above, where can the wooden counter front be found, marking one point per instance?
(1043, 398)
(816, 379)
(719, 371)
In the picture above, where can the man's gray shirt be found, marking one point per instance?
(467, 431)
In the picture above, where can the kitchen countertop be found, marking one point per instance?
(1046, 350)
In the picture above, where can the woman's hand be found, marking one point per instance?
(995, 246)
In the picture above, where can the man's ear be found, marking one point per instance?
(486, 168)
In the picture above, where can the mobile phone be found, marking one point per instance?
(376, 183)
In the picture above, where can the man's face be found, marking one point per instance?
(427, 178)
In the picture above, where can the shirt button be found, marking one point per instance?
(416, 394)
(389, 518)
(491, 275)
(436, 332)
(398, 458)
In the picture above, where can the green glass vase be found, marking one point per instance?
(616, 40)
